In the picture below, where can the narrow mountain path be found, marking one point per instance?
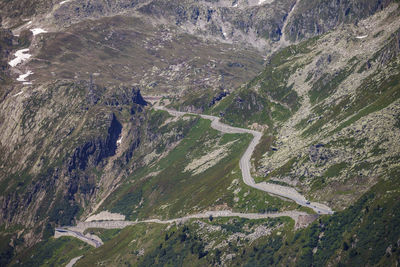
(245, 163)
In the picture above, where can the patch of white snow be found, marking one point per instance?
(64, 2)
(37, 31)
(362, 37)
(22, 77)
(119, 141)
(20, 56)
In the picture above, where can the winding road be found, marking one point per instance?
(245, 166)
(245, 163)
(78, 230)
(63, 231)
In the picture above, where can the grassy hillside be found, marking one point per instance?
(52, 252)
(366, 233)
(168, 187)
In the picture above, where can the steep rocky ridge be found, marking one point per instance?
(54, 157)
(306, 19)
(252, 23)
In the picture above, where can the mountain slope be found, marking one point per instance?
(330, 112)
(320, 79)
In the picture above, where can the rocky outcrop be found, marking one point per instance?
(218, 98)
(389, 51)
(307, 19)
(62, 175)
(94, 151)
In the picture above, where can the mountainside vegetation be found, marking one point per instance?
(84, 132)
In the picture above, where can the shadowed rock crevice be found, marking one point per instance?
(94, 151)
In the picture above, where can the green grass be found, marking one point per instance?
(183, 245)
(335, 170)
(388, 97)
(53, 252)
(262, 147)
(244, 107)
(357, 236)
(324, 180)
(284, 169)
(104, 234)
(268, 98)
(177, 190)
(257, 201)
(372, 96)
(171, 192)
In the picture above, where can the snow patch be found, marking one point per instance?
(37, 31)
(64, 2)
(22, 77)
(119, 141)
(262, 2)
(21, 56)
(362, 37)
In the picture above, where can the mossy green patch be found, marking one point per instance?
(53, 252)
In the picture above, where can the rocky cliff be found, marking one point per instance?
(56, 155)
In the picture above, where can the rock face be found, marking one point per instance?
(305, 220)
(55, 168)
(258, 24)
(307, 19)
